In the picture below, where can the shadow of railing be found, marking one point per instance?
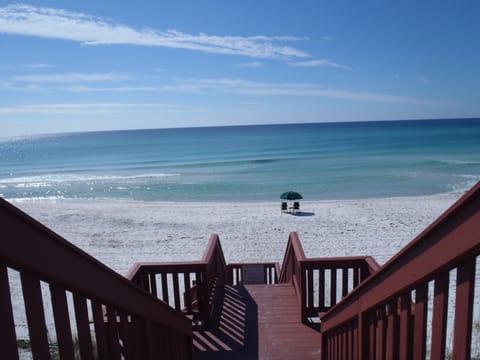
(233, 333)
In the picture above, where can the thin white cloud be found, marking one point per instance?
(253, 64)
(84, 108)
(327, 38)
(69, 77)
(244, 87)
(319, 63)
(24, 66)
(92, 30)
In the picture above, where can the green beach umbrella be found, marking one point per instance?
(291, 195)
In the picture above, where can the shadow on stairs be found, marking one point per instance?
(256, 322)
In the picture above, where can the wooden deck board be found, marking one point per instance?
(257, 322)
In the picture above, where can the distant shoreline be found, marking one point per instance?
(120, 233)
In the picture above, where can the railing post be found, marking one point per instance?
(203, 295)
(303, 287)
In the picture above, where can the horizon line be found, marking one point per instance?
(13, 137)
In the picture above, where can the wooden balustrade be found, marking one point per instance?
(366, 312)
(269, 273)
(388, 316)
(109, 316)
(190, 287)
(321, 282)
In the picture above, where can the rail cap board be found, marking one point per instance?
(27, 245)
(455, 234)
(176, 266)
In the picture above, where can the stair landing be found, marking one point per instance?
(256, 322)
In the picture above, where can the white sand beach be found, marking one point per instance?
(120, 233)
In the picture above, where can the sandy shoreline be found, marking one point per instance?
(120, 233)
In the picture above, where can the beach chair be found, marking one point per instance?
(296, 207)
(284, 207)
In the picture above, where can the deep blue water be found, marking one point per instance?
(246, 163)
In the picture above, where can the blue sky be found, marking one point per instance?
(102, 65)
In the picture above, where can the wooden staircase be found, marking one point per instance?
(257, 322)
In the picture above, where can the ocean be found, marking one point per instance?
(246, 163)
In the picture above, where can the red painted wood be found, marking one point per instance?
(380, 335)
(37, 329)
(439, 321)
(391, 346)
(164, 287)
(344, 281)
(112, 331)
(333, 286)
(321, 289)
(8, 339)
(464, 310)
(420, 321)
(440, 247)
(176, 291)
(188, 297)
(371, 336)
(153, 284)
(83, 328)
(405, 335)
(310, 289)
(100, 330)
(62, 322)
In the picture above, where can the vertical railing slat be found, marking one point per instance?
(100, 330)
(8, 339)
(310, 289)
(356, 276)
(439, 322)
(164, 287)
(344, 281)
(380, 341)
(32, 295)
(420, 322)
(405, 336)
(176, 291)
(83, 327)
(126, 335)
(333, 286)
(464, 309)
(62, 322)
(371, 335)
(391, 335)
(112, 331)
(188, 296)
(321, 289)
(153, 284)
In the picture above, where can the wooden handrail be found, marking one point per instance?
(451, 242)
(309, 277)
(39, 254)
(200, 281)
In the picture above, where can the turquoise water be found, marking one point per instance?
(246, 163)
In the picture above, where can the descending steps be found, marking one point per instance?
(256, 322)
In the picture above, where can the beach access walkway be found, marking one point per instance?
(257, 322)
(324, 308)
